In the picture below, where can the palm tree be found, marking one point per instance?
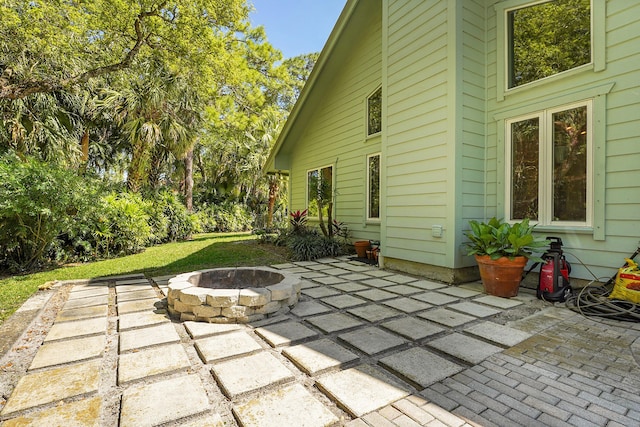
(158, 117)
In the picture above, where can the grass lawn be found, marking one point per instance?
(204, 251)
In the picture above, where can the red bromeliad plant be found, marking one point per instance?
(298, 220)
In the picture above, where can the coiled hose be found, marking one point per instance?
(593, 300)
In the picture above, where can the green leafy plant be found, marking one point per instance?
(497, 238)
(39, 202)
(298, 221)
(312, 245)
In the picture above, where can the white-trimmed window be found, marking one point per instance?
(547, 38)
(374, 112)
(549, 166)
(373, 187)
(319, 190)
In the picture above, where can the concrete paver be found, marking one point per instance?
(137, 305)
(309, 308)
(285, 333)
(318, 356)
(372, 340)
(163, 333)
(320, 292)
(376, 294)
(219, 347)
(53, 385)
(334, 322)
(465, 348)
(458, 291)
(420, 366)
(434, 355)
(403, 289)
(250, 373)
(79, 328)
(499, 302)
(344, 301)
(85, 412)
(412, 328)
(163, 401)
(363, 389)
(349, 287)
(140, 319)
(201, 329)
(152, 361)
(86, 302)
(500, 334)
(84, 291)
(473, 309)
(73, 350)
(435, 298)
(82, 313)
(374, 312)
(446, 317)
(135, 295)
(283, 407)
(408, 305)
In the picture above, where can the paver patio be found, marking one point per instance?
(364, 347)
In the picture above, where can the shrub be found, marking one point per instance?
(169, 218)
(312, 245)
(38, 203)
(122, 225)
(232, 217)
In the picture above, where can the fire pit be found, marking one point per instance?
(232, 295)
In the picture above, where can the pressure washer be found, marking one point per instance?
(553, 280)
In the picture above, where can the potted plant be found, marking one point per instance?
(502, 250)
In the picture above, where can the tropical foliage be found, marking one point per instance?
(497, 238)
(171, 104)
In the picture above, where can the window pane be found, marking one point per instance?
(374, 187)
(312, 185)
(548, 38)
(374, 113)
(320, 184)
(524, 169)
(570, 165)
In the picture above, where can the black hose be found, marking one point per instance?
(594, 301)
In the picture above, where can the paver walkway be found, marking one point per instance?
(363, 347)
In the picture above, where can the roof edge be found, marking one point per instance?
(325, 53)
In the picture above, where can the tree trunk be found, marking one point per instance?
(188, 180)
(274, 186)
(330, 219)
(321, 218)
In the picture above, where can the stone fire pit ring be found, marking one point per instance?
(232, 295)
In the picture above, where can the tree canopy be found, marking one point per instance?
(137, 91)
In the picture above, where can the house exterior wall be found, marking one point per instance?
(416, 132)
(435, 134)
(335, 134)
(442, 145)
(613, 82)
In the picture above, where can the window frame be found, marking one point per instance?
(368, 113)
(314, 217)
(368, 216)
(598, 47)
(545, 159)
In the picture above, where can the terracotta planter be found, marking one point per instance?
(361, 248)
(501, 277)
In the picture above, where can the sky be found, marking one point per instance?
(296, 27)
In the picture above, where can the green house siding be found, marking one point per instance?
(417, 131)
(444, 106)
(335, 133)
(435, 134)
(613, 83)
